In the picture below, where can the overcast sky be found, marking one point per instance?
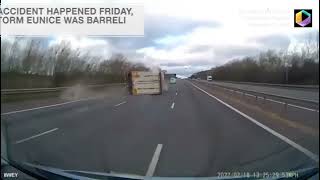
(184, 37)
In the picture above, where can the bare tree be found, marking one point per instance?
(29, 56)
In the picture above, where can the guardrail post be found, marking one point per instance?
(285, 106)
(264, 99)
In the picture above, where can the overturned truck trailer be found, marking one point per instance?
(145, 82)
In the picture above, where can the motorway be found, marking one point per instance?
(199, 135)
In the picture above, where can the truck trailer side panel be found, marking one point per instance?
(145, 82)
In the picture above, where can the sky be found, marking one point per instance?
(185, 37)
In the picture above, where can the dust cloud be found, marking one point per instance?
(81, 91)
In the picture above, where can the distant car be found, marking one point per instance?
(209, 78)
(173, 80)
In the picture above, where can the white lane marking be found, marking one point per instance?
(250, 95)
(275, 101)
(238, 92)
(285, 139)
(154, 162)
(120, 103)
(35, 136)
(172, 106)
(309, 109)
(42, 107)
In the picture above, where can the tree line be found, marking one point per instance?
(300, 66)
(30, 57)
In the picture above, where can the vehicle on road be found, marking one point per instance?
(209, 78)
(173, 80)
(145, 82)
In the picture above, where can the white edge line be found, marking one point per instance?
(275, 101)
(35, 136)
(42, 107)
(120, 103)
(250, 95)
(309, 109)
(154, 161)
(285, 139)
(172, 106)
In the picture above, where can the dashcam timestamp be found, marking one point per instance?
(258, 174)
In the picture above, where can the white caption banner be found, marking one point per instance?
(71, 19)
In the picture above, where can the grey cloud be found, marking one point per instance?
(189, 62)
(222, 54)
(173, 64)
(189, 67)
(229, 52)
(199, 48)
(160, 26)
(183, 71)
(276, 41)
(312, 35)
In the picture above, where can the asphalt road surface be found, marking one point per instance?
(199, 136)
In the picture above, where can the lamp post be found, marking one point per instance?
(287, 74)
(287, 66)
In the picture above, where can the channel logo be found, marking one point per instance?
(302, 18)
